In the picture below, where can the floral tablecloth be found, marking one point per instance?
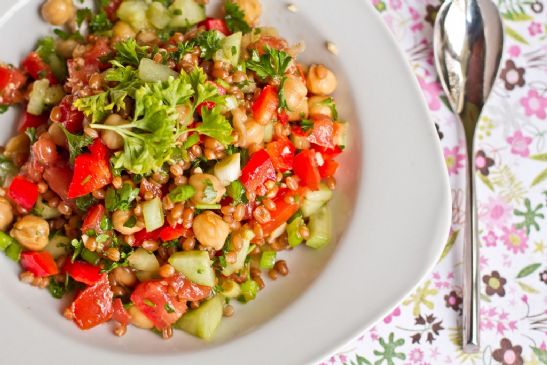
(511, 156)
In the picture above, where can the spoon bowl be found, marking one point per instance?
(468, 44)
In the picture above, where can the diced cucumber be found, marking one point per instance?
(90, 256)
(158, 15)
(37, 97)
(230, 289)
(293, 231)
(248, 291)
(54, 94)
(5, 241)
(320, 228)
(267, 260)
(134, 13)
(151, 71)
(268, 132)
(230, 49)
(231, 268)
(44, 210)
(152, 211)
(57, 245)
(228, 169)
(315, 200)
(143, 260)
(203, 321)
(195, 265)
(185, 13)
(341, 136)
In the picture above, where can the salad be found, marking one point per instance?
(164, 160)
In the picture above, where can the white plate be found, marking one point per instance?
(392, 216)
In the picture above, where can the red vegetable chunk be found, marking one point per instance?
(92, 220)
(282, 154)
(91, 171)
(40, 264)
(31, 121)
(215, 24)
(120, 313)
(257, 171)
(11, 81)
(83, 272)
(265, 106)
(38, 69)
(305, 167)
(23, 192)
(93, 305)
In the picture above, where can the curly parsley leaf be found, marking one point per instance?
(85, 202)
(129, 52)
(236, 191)
(272, 64)
(235, 18)
(215, 125)
(208, 43)
(120, 199)
(100, 23)
(76, 143)
(181, 193)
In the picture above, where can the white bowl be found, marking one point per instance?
(392, 213)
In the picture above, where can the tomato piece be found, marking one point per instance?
(265, 106)
(23, 192)
(283, 117)
(37, 68)
(328, 153)
(83, 272)
(31, 121)
(169, 233)
(58, 178)
(78, 74)
(11, 82)
(322, 133)
(259, 169)
(111, 8)
(305, 167)
(91, 171)
(282, 154)
(70, 117)
(328, 169)
(93, 305)
(120, 314)
(143, 235)
(188, 290)
(283, 210)
(98, 53)
(92, 220)
(39, 263)
(269, 42)
(215, 24)
(207, 104)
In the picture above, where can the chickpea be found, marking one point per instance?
(239, 119)
(211, 230)
(120, 217)
(121, 31)
(32, 232)
(124, 276)
(139, 319)
(252, 10)
(209, 189)
(6, 213)
(317, 105)
(295, 95)
(17, 148)
(321, 80)
(65, 47)
(146, 37)
(255, 133)
(111, 139)
(58, 12)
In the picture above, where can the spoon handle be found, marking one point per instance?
(471, 272)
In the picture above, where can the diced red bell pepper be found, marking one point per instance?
(143, 235)
(169, 233)
(83, 272)
(265, 106)
(58, 178)
(41, 263)
(79, 74)
(92, 220)
(70, 117)
(111, 8)
(37, 68)
(23, 192)
(257, 171)
(283, 117)
(215, 24)
(162, 305)
(322, 133)
(97, 54)
(328, 153)
(31, 121)
(282, 154)
(93, 305)
(305, 167)
(120, 313)
(91, 171)
(283, 210)
(328, 168)
(11, 81)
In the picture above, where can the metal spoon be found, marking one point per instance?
(467, 43)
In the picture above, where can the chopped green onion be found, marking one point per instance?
(14, 251)
(208, 206)
(92, 257)
(293, 231)
(267, 260)
(6, 241)
(248, 291)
